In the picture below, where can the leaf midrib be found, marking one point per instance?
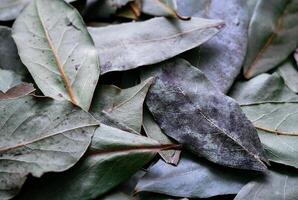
(57, 59)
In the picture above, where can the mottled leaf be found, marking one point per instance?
(56, 48)
(130, 45)
(272, 35)
(121, 107)
(38, 136)
(290, 75)
(222, 57)
(272, 108)
(114, 156)
(193, 178)
(10, 59)
(191, 110)
(277, 185)
(152, 130)
(10, 9)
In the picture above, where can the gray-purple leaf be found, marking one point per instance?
(221, 57)
(192, 178)
(191, 110)
(130, 45)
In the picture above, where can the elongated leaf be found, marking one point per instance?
(10, 9)
(115, 156)
(57, 50)
(191, 110)
(222, 57)
(39, 136)
(152, 130)
(122, 108)
(290, 75)
(192, 178)
(272, 108)
(277, 185)
(10, 59)
(127, 46)
(272, 35)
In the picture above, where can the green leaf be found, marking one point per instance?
(122, 108)
(191, 110)
(278, 184)
(192, 178)
(290, 75)
(272, 107)
(272, 35)
(221, 58)
(38, 136)
(152, 130)
(10, 59)
(10, 9)
(114, 156)
(56, 48)
(130, 45)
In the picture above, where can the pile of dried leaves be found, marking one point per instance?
(98, 98)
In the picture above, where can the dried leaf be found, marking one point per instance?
(272, 35)
(122, 108)
(56, 48)
(192, 178)
(39, 136)
(20, 90)
(272, 108)
(166, 8)
(130, 45)
(290, 75)
(277, 185)
(115, 156)
(152, 130)
(220, 58)
(191, 110)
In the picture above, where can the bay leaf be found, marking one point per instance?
(114, 156)
(57, 49)
(220, 58)
(191, 110)
(290, 75)
(279, 184)
(38, 136)
(121, 107)
(127, 46)
(152, 130)
(10, 9)
(10, 59)
(272, 35)
(192, 178)
(272, 107)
